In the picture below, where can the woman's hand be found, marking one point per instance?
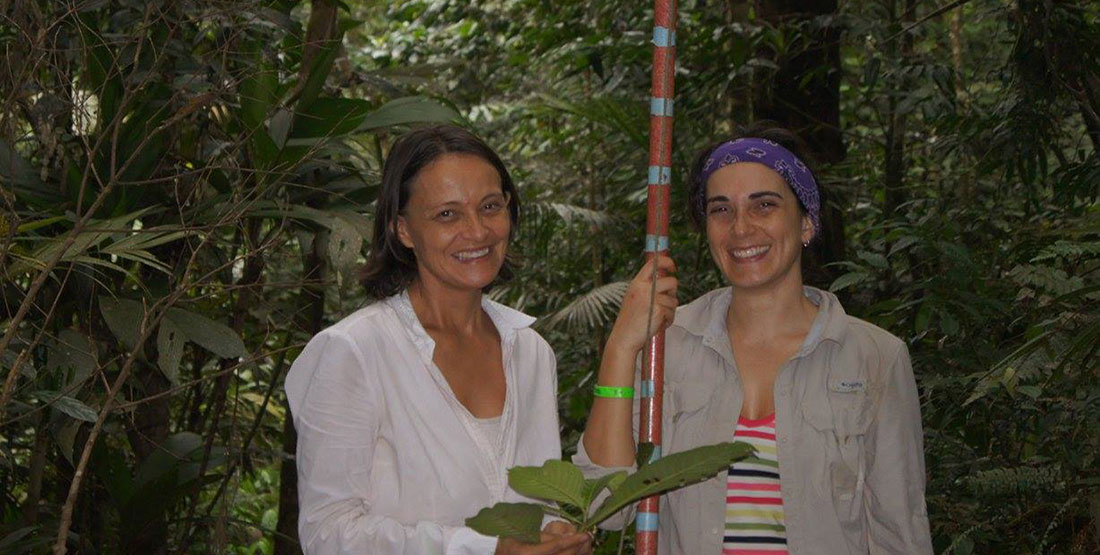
(556, 538)
(629, 333)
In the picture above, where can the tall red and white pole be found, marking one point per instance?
(656, 240)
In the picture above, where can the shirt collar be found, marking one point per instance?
(705, 317)
(507, 320)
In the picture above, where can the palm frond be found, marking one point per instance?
(571, 213)
(621, 114)
(592, 309)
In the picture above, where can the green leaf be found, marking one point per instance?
(1033, 391)
(557, 481)
(11, 542)
(924, 315)
(65, 438)
(328, 117)
(875, 259)
(32, 225)
(258, 96)
(670, 472)
(145, 239)
(173, 452)
(74, 408)
(594, 486)
(170, 341)
(409, 109)
(14, 169)
(208, 334)
(344, 244)
(123, 318)
(278, 126)
(73, 354)
(320, 67)
(851, 278)
(903, 243)
(521, 521)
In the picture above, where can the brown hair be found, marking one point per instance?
(763, 129)
(392, 266)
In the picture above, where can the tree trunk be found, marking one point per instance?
(42, 443)
(957, 46)
(899, 49)
(811, 108)
(147, 431)
(312, 320)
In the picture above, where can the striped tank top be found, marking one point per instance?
(754, 502)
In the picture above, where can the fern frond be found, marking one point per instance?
(1068, 249)
(1000, 482)
(1053, 281)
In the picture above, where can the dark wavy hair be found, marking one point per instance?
(392, 266)
(763, 129)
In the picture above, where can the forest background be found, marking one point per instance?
(186, 189)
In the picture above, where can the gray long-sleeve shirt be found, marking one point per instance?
(848, 429)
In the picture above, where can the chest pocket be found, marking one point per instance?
(684, 406)
(839, 408)
(840, 401)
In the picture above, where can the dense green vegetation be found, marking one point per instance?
(186, 189)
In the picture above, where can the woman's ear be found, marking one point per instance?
(807, 229)
(401, 229)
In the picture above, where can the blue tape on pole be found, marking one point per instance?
(656, 454)
(646, 387)
(655, 243)
(646, 522)
(660, 107)
(660, 175)
(664, 37)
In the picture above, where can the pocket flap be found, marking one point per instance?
(688, 397)
(843, 405)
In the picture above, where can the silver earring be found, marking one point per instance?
(805, 243)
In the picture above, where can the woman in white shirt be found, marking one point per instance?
(410, 411)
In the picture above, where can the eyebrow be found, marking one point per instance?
(761, 194)
(449, 203)
(752, 196)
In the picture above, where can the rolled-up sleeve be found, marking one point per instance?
(335, 403)
(896, 512)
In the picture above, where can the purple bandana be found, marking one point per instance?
(774, 156)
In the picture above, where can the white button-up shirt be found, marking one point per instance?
(389, 461)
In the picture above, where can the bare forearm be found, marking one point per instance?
(648, 306)
(608, 437)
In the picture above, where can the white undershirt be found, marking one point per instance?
(491, 431)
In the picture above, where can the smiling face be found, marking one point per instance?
(456, 221)
(755, 227)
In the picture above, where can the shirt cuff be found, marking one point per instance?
(465, 541)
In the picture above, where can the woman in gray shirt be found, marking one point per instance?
(830, 400)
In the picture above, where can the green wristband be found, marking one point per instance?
(614, 392)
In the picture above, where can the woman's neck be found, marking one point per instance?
(447, 310)
(763, 315)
